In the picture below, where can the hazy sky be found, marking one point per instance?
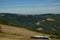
(29, 6)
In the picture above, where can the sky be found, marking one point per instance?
(29, 6)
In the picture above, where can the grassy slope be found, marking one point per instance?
(16, 32)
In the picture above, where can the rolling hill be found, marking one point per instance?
(43, 23)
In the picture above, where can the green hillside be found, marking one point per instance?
(44, 23)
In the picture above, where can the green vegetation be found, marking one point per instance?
(49, 22)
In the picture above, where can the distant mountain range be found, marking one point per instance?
(45, 23)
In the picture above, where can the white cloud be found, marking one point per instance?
(34, 10)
